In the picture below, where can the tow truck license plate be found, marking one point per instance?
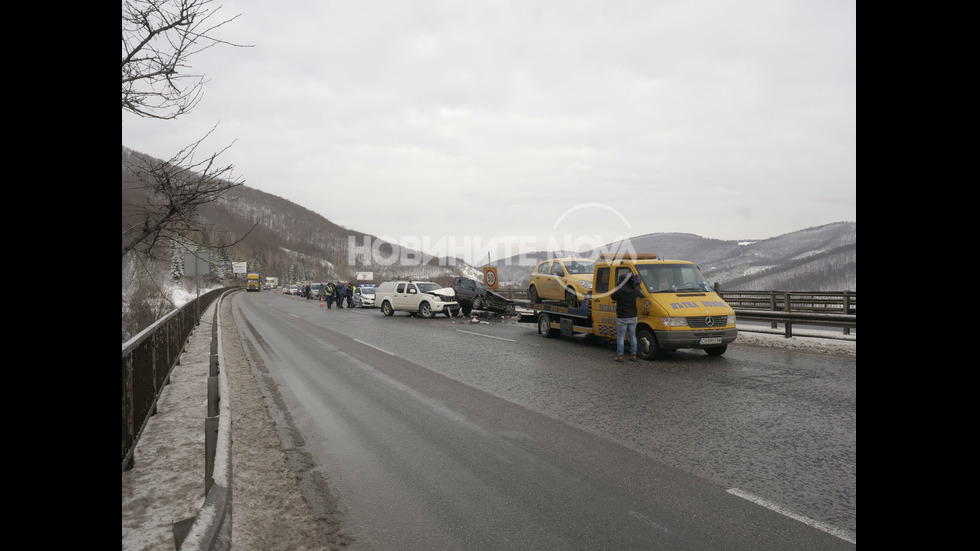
(710, 340)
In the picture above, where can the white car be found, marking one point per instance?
(423, 298)
(364, 295)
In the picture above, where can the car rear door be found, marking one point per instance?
(400, 297)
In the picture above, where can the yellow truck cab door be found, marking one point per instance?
(603, 306)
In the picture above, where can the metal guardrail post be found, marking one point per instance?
(786, 308)
(772, 306)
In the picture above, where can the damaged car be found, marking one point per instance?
(476, 295)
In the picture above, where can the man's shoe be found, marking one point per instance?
(633, 358)
(619, 359)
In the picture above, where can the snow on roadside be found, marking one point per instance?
(819, 342)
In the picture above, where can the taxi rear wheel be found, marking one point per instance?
(532, 294)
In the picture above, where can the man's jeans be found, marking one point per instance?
(622, 326)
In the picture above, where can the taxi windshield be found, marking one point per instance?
(579, 266)
(672, 278)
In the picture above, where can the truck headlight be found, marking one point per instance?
(673, 322)
(731, 319)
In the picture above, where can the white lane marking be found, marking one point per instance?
(487, 336)
(374, 347)
(833, 531)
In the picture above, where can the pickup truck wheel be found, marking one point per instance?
(646, 344)
(544, 327)
(532, 294)
(425, 310)
(716, 350)
(386, 308)
(477, 303)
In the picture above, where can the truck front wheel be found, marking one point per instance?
(717, 350)
(646, 344)
(425, 310)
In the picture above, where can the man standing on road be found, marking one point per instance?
(625, 297)
(330, 292)
(341, 294)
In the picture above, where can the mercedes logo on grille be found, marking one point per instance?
(709, 321)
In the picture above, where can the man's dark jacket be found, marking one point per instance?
(625, 297)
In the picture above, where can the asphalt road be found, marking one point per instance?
(441, 434)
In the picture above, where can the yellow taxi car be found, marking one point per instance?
(566, 279)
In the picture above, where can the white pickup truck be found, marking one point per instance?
(422, 298)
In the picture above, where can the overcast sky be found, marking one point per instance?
(533, 123)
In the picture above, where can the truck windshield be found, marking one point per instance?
(579, 267)
(428, 287)
(672, 278)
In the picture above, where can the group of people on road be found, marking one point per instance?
(332, 292)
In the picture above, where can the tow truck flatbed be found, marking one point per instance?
(560, 318)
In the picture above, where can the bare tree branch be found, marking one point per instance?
(158, 38)
(175, 189)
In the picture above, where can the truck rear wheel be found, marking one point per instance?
(544, 327)
(646, 344)
(386, 308)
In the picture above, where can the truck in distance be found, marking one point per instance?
(252, 281)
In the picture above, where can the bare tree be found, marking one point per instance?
(165, 196)
(158, 38)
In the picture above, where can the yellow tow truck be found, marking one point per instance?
(677, 308)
